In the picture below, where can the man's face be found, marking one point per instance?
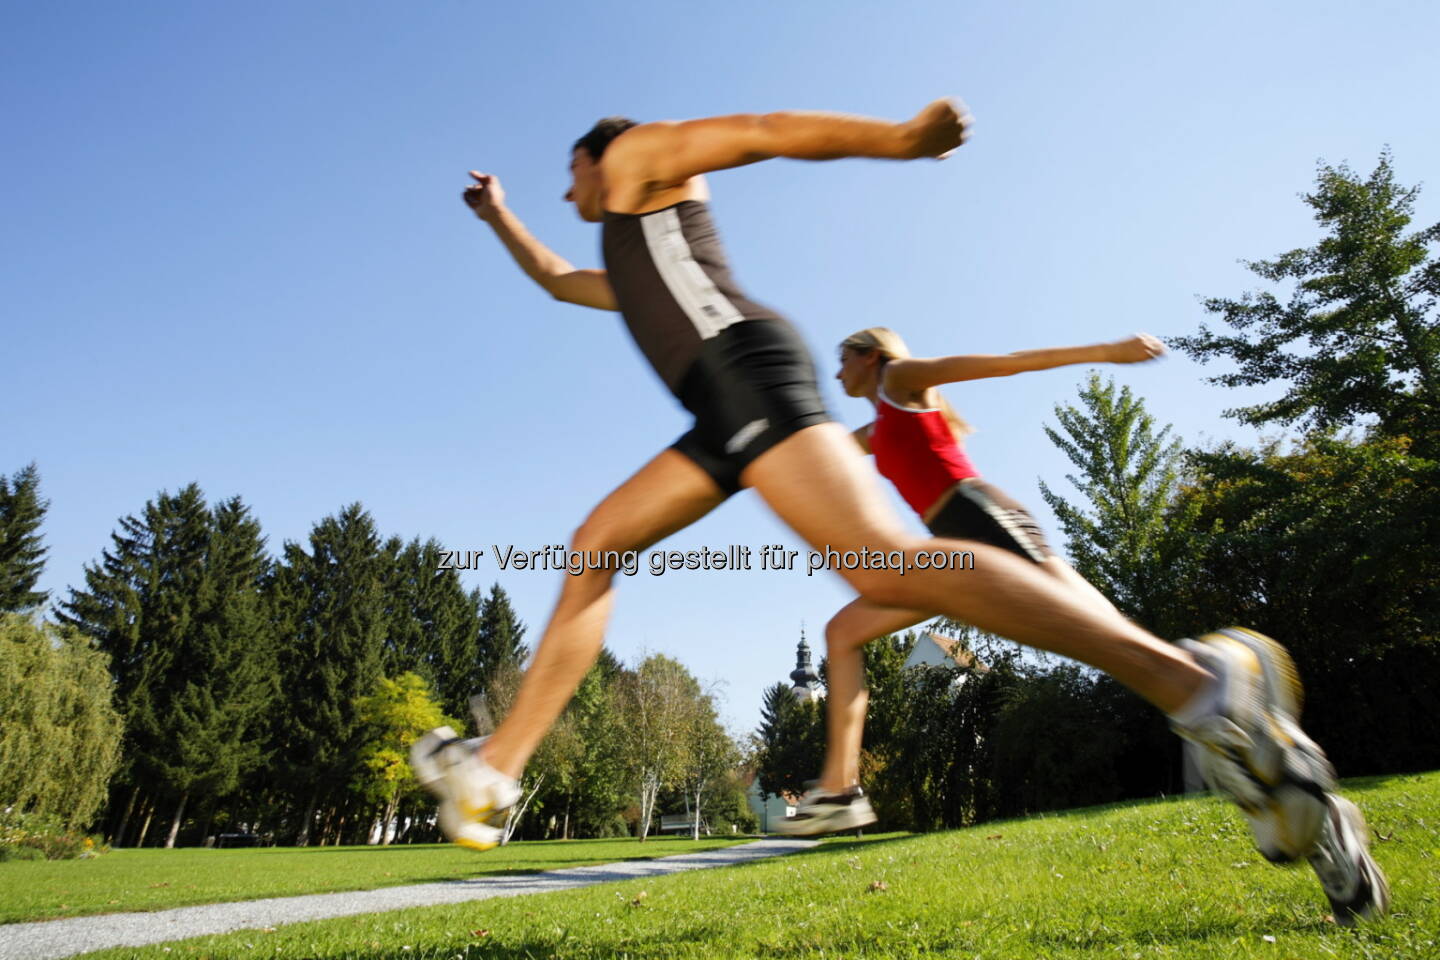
(587, 186)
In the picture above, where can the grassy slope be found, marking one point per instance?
(159, 879)
(1173, 879)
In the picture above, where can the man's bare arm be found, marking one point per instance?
(589, 288)
(667, 154)
(913, 374)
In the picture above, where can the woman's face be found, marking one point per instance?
(857, 370)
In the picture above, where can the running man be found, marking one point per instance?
(746, 377)
(917, 441)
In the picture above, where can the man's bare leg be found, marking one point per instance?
(816, 482)
(1083, 588)
(666, 495)
(1235, 707)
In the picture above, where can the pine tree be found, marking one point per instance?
(435, 624)
(598, 783)
(792, 734)
(22, 558)
(174, 611)
(332, 602)
(176, 603)
(1122, 540)
(142, 602)
(502, 635)
(227, 682)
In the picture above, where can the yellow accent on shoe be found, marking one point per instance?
(1251, 661)
(475, 844)
(1289, 673)
(1278, 733)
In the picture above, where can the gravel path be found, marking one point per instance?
(65, 938)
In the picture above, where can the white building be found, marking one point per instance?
(934, 650)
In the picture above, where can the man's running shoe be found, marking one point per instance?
(823, 812)
(475, 798)
(1350, 876)
(1252, 749)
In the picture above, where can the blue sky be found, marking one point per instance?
(232, 248)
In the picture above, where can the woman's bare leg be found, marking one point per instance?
(857, 623)
(668, 494)
(816, 482)
(846, 700)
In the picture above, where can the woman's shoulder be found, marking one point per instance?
(893, 392)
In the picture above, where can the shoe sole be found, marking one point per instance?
(1284, 696)
(849, 818)
(1372, 897)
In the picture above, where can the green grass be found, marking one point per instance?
(125, 880)
(1175, 879)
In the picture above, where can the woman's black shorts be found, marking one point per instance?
(978, 511)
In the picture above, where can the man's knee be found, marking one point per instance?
(597, 533)
(601, 547)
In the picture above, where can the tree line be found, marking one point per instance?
(277, 696)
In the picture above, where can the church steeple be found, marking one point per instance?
(804, 677)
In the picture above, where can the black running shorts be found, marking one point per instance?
(752, 386)
(979, 511)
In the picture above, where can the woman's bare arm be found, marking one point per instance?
(914, 374)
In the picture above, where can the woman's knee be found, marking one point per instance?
(842, 637)
(887, 588)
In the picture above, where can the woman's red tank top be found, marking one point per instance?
(917, 451)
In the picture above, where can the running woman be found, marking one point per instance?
(916, 438)
(743, 373)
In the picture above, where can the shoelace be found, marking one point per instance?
(1221, 742)
(1336, 872)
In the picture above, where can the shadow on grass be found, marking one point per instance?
(534, 845)
(651, 945)
(848, 845)
(1367, 784)
(679, 939)
(1162, 934)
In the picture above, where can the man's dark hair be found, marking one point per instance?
(601, 134)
